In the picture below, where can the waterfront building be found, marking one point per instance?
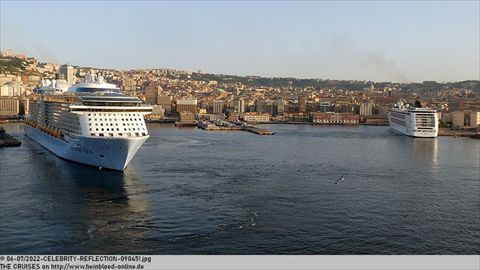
(256, 117)
(186, 105)
(217, 117)
(298, 117)
(9, 107)
(210, 117)
(465, 119)
(446, 119)
(187, 117)
(375, 120)
(165, 102)
(158, 112)
(233, 116)
(330, 118)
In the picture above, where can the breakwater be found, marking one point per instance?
(7, 140)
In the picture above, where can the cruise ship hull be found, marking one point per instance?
(409, 132)
(105, 152)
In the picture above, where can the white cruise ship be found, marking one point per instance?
(414, 121)
(91, 123)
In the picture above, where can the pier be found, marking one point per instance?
(7, 140)
(258, 131)
(207, 125)
(459, 133)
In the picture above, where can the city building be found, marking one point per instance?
(302, 104)
(24, 106)
(165, 102)
(298, 117)
(239, 105)
(330, 118)
(256, 117)
(129, 84)
(446, 119)
(211, 117)
(325, 106)
(218, 106)
(186, 105)
(152, 93)
(270, 107)
(66, 73)
(366, 108)
(158, 112)
(186, 116)
(12, 89)
(7, 53)
(280, 104)
(233, 116)
(465, 119)
(259, 106)
(9, 107)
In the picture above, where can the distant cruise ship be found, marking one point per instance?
(91, 123)
(414, 121)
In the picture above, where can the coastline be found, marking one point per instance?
(441, 131)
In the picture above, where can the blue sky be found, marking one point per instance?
(370, 40)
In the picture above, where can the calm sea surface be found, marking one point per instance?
(189, 191)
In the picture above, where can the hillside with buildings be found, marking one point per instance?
(258, 99)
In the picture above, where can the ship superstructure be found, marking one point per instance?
(413, 121)
(92, 123)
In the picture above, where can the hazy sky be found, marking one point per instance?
(371, 40)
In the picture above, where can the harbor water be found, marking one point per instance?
(190, 191)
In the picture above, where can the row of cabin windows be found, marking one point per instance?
(112, 129)
(115, 119)
(137, 134)
(116, 124)
(139, 128)
(113, 114)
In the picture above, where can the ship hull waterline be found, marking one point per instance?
(101, 152)
(415, 134)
